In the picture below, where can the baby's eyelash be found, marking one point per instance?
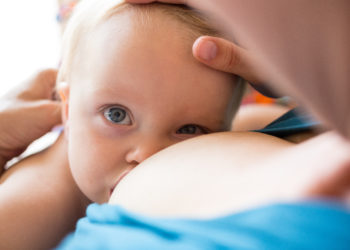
(191, 129)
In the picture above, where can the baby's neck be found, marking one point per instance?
(53, 161)
(56, 156)
(43, 184)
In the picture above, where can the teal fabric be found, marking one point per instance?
(308, 225)
(293, 122)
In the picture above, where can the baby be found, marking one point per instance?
(130, 88)
(134, 89)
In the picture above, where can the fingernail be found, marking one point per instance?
(207, 50)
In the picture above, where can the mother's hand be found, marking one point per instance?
(226, 56)
(27, 113)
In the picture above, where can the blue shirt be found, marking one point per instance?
(307, 225)
(293, 122)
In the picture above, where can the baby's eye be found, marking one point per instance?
(191, 130)
(117, 115)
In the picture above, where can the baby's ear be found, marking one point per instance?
(63, 91)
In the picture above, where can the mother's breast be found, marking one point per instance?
(198, 178)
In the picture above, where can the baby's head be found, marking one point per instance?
(134, 88)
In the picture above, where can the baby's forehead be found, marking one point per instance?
(121, 47)
(133, 25)
(174, 20)
(188, 24)
(135, 22)
(141, 18)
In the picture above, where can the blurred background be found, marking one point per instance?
(29, 39)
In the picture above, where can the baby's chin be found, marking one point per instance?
(102, 199)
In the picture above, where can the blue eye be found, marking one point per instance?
(191, 130)
(117, 115)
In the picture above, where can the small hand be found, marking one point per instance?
(27, 113)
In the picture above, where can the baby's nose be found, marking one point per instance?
(145, 149)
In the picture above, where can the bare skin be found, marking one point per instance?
(275, 49)
(198, 184)
(326, 92)
(25, 220)
(26, 107)
(229, 172)
(336, 177)
(257, 116)
(219, 53)
(43, 187)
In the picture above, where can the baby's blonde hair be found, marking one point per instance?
(90, 13)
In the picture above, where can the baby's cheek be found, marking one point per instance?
(83, 162)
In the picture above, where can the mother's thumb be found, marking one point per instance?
(225, 56)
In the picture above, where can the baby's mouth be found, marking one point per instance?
(118, 180)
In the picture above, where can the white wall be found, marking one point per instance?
(29, 39)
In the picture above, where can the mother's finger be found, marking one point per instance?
(225, 56)
(39, 87)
